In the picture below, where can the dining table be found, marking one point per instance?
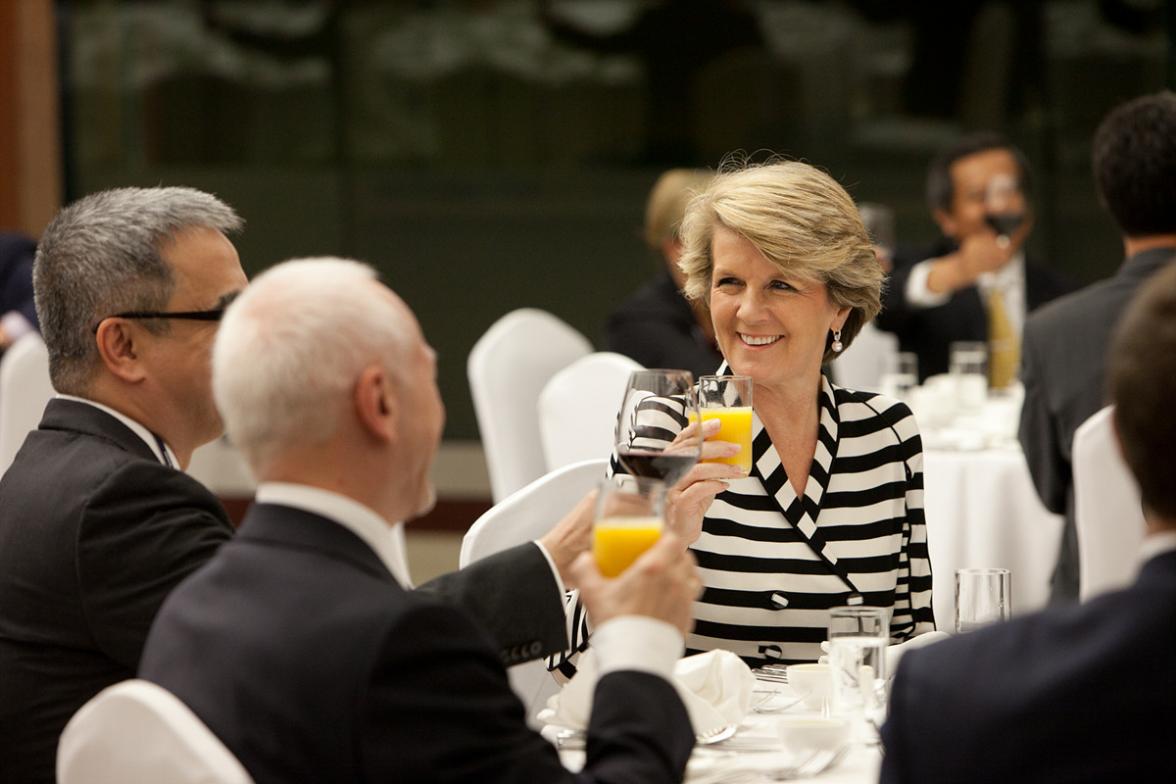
(756, 753)
(979, 502)
(982, 510)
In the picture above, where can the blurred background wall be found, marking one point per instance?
(493, 154)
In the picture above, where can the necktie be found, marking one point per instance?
(1004, 349)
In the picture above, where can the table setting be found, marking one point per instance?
(776, 723)
(780, 722)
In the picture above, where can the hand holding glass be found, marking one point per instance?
(629, 517)
(728, 399)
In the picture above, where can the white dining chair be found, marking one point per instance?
(507, 368)
(526, 515)
(1107, 509)
(24, 390)
(871, 355)
(136, 732)
(578, 407)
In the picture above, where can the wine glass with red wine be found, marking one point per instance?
(657, 430)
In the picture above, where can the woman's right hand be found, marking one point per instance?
(688, 500)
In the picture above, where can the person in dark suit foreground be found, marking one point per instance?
(1065, 347)
(297, 646)
(1079, 692)
(97, 522)
(976, 283)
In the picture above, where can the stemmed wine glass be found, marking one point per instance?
(657, 431)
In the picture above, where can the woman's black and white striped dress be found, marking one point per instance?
(774, 564)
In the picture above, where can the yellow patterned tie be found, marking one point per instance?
(1004, 350)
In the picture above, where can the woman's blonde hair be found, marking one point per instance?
(801, 220)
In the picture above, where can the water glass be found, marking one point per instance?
(901, 376)
(858, 637)
(983, 596)
(969, 369)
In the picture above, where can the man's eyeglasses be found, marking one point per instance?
(213, 314)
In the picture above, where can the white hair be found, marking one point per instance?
(290, 349)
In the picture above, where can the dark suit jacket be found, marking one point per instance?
(16, 275)
(1076, 693)
(300, 651)
(95, 532)
(1063, 361)
(656, 327)
(929, 332)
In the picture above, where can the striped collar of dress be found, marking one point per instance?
(801, 511)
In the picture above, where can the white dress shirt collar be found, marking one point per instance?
(1156, 544)
(153, 442)
(372, 529)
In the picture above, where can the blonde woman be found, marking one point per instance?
(832, 511)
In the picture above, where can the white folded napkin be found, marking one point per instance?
(715, 687)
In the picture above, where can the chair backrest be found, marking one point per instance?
(862, 365)
(24, 390)
(1107, 509)
(135, 732)
(507, 368)
(526, 515)
(578, 408)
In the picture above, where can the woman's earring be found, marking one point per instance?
(836, 345)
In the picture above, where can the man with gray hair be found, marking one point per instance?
(97, 522)
(297, 646)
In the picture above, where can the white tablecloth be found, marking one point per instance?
(982, 510)
(859, 765)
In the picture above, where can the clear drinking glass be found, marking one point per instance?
(628, 520)
(969, 369)
(901, 376)
(728, 399)
(983, 596)
(858, 637)
(655, 436)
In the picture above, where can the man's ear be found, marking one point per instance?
(946, 223)
(376, 403)
(115, 340)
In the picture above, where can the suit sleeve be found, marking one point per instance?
(439, 708)
(514, 595)
(1038, 434)
(134, 547)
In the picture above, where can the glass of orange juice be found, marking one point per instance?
(630, 513)
(728, 399)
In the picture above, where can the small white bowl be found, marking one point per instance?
(806, 734)
(812, 682)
